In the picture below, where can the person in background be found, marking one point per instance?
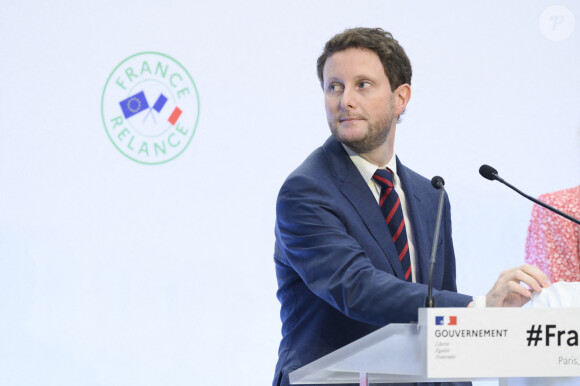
(553, 242)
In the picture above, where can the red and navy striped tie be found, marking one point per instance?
(390, 204)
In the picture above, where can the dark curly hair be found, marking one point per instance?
(393, 57)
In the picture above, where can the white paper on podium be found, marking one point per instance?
(560, 294)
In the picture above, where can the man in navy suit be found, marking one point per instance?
(339, 273)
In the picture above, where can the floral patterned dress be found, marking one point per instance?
(553, 242)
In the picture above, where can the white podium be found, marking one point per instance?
(459, 344)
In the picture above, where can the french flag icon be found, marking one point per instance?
(160, 103)
(446, 320)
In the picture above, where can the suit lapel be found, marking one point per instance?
(422, 219)
(356, 190)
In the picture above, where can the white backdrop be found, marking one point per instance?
(118, 273)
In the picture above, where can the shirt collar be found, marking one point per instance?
(366, 168)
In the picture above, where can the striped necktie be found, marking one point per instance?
(390, 204)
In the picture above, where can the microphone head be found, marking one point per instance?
(488, 172)
(437, 182)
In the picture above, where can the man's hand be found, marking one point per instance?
(509, 289)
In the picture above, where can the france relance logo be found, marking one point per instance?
(150, 108)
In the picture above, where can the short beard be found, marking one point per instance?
(377, 134)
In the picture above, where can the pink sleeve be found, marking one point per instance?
(552, 241)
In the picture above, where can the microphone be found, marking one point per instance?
(437, 183)
(490, 173)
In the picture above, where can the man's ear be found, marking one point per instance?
(402, 97)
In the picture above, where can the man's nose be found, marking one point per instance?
(348, 100)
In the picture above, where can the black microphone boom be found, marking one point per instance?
(437, 183)
(490, 173)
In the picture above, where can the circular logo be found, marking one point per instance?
(557, 23)
(150, 108)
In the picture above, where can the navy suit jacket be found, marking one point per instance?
(339, 276)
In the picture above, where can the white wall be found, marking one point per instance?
(118, 273)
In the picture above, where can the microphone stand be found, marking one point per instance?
(437, 183)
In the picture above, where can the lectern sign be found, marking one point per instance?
(545, 345)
